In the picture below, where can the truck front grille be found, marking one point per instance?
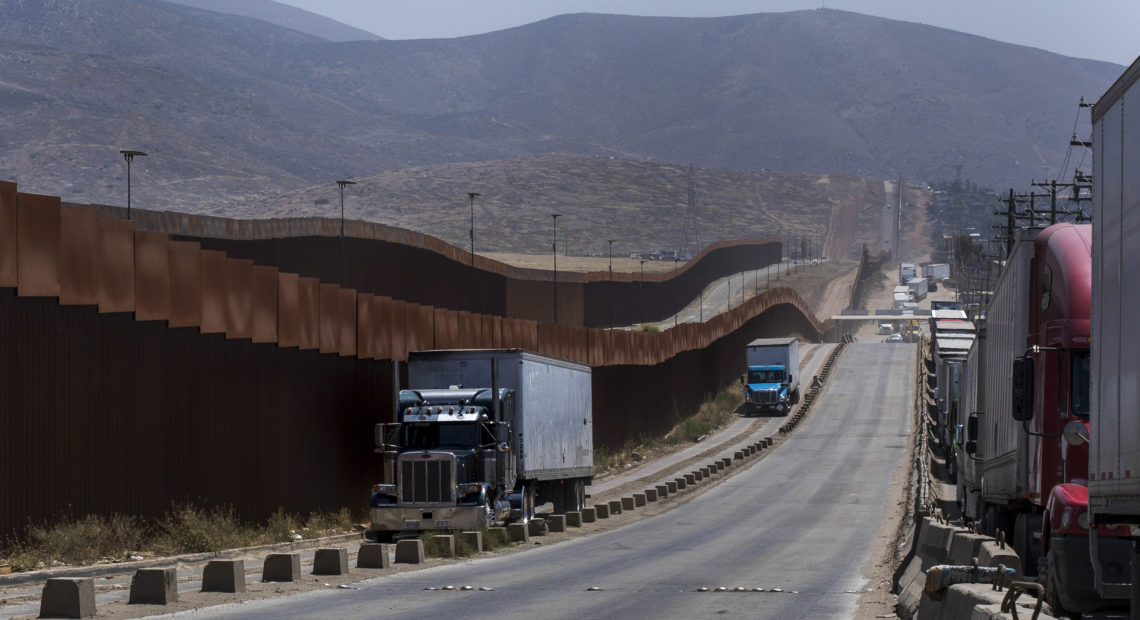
(427, 480)
(767, 397)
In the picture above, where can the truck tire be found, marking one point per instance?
(795, 399)
(1050, 583)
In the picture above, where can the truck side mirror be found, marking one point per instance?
(743, 379)
(1022, 388)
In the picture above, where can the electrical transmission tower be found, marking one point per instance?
(690, 231)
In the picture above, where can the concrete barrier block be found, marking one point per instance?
(934, 541)
(680, 482)
(911, 585)
(627, 503)
(638, 500)
(154, 586)
(281, 567)
(574, 518)
(602, 510)
(410, 551)
(651, 495)
(994, 612)
(697, 475)
(589, 515)
(961, 600)
(671, 486)
(964, 546)
(990, 553)
(440, 546)
(474, 540)
(330, 561)
(373, 555)
(68, 597)
(615, 507)
(705, 472)
(556, 523)
(768, 441)
(738, 455)
(690, 479)
(224, 576)
(727, 461)
(537, 527)
(663, 490)
(519, 532)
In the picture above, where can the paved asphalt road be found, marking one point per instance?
(802, 519)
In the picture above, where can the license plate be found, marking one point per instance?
(443, 524)
(411, 524)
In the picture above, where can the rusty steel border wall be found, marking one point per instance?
(868, 266)
(140, 370)
(311, 247)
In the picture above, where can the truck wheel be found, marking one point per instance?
(1050, 582)
(795, 397)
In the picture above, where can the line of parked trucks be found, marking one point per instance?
(1040, 414)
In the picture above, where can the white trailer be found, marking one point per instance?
(1002, 442)
(918, 288)
(1114, 416)
(971, 383)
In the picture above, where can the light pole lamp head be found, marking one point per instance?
(343, 183)
(472, 195)
(128, 155)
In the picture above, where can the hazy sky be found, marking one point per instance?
(1098, 29)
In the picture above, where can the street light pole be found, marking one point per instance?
(675, 291)
(129, 156)
(341, 185)
(641, 287)
(555, 252)
(471, 196)
(611, 242)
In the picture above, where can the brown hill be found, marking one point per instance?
(233, 110)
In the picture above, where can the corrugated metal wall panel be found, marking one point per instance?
(152, 276)
(185, 284)
(329, 318)
(264, 304)
(288, 310)
(309, 296)
(365, 327)
(37, 226)
(347, 323)
(8, 209)
(117, 266)
(239, 299)
(214, 293)
(79, 245)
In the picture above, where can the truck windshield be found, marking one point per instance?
(765, 376)
(1079, 390)
(431, 435)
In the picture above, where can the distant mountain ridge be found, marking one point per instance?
(238, 112)
(286, 16)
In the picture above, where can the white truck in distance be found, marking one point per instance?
(484, 436)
